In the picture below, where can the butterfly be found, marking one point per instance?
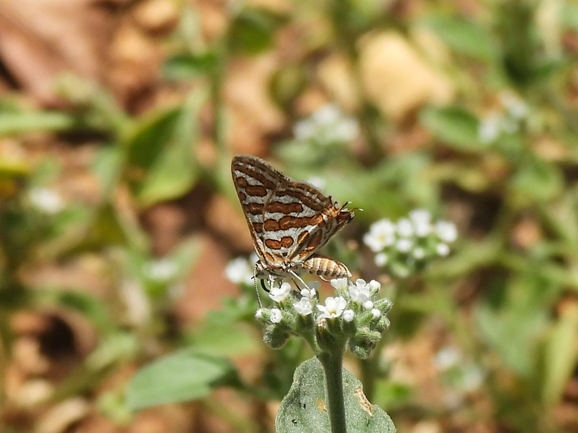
(288, 220)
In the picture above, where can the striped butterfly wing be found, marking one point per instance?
(314, 221)
(288, 220)
(255, 182)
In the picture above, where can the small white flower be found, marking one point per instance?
(359, 292)
(303, 307)
(239, 271)
(420, 216)
(404, 245)
(308, 293)
(317, 182)
(339, 283)
(279, 294)
(348, 315)
(380, 259)
(489, 128)
(368, 305)
(46, 200)
(328, 114)
(446, 231)
(374, 286)
(303, 130)
(447, 357)
(347, 129)
(516, 107)
(442, 250)
(333, 308)
(405, 228)
(276, 315)
(473, 377)
(421, 220)
(259, 313)
(418, 253)
(381, 234)
(375, 313)
(161, 270)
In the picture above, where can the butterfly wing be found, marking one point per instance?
(255, 182)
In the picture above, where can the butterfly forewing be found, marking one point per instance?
(289, 221)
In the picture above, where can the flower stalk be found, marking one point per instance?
(332, 366)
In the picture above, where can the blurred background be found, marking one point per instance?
(125, 270)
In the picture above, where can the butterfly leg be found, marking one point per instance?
(257, 288)
(296, 277)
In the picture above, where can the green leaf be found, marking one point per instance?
(561, 354)
(513, 319)
(22, 122)
(107, 167)
(183, 376)
(161, 152)
(463, 36)
(454, 125)
(252, 31)
(538, 179)
(304, 408)
(187, 66)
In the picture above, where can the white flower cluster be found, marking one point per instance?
(406, 245)
(359, 293)
(461, 375)
(46, 200)
(355, 306)
(327, 125)
(505, 121)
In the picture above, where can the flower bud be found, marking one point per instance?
(275, 336)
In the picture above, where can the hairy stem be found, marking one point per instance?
(333, 369)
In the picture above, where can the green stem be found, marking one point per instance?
(332, 363)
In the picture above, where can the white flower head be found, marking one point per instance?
(348, 315)
(421, 220)
(404, 245)
(328, 114)
(279, 294)
(239, 271)
(333, 308)
(447, 357)
(405, 228)
(347, 129)
(376, 313)
(303, 130)
(374, 286)
(308, 293)
(515, 106)
(418, 253)
(381, 234)
(489, 128)
(442, 249)
(446, 231)
(161, 270)
(380, 259)
(276, 315)
(360, 292)
(46, 200)
(303, 307)
(339, 283)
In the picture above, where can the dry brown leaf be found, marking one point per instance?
(41, 39)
